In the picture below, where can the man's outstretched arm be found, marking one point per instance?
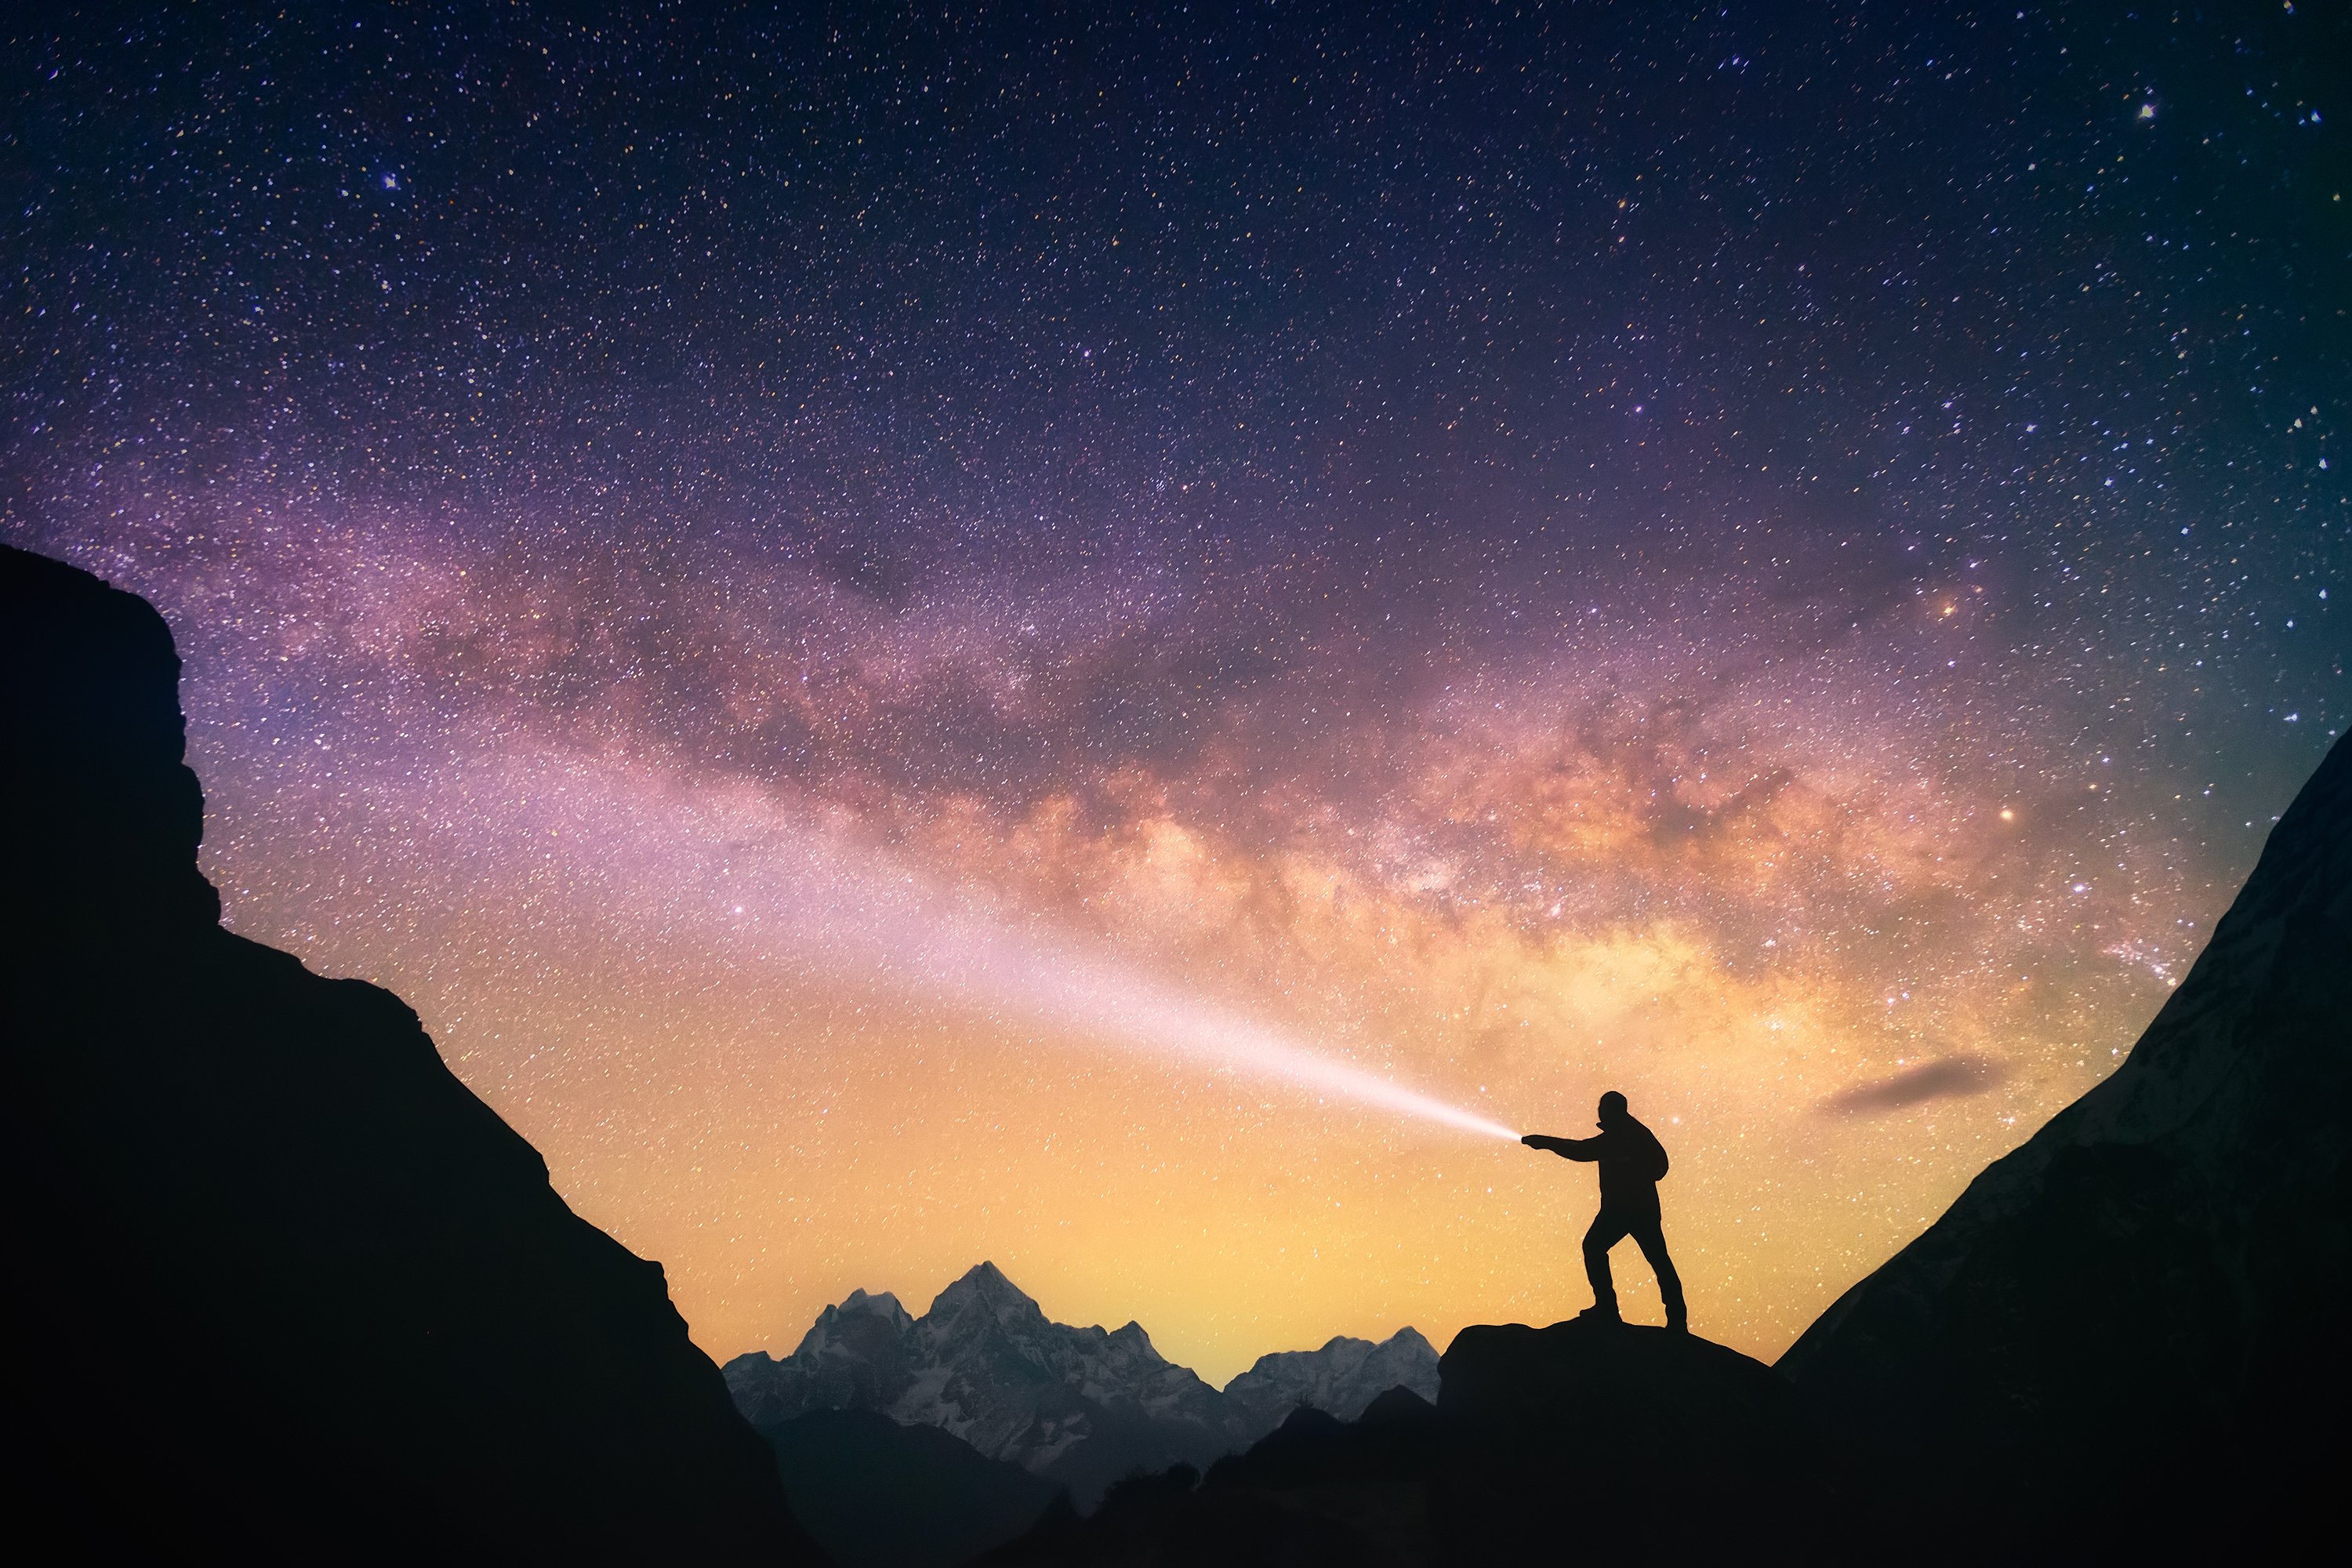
(1565, 1148)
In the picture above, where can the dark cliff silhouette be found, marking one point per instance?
(283, 1286)
(2135, 1323)
(1632, 1163)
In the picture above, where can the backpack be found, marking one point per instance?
(1653, 1159)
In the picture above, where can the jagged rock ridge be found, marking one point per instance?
(372, 1307)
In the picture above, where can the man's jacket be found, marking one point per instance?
(1633, 1162)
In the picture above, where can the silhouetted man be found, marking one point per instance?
(1632, 1162)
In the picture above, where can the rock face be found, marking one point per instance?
(287, 1286)
(2135, 1315)
(1081, 1406)
(1341, 1379)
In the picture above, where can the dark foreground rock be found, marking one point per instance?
(284, 1287)
(1580, 1440)
(878, 1494)
(1617, 1437)
(2132, 1329)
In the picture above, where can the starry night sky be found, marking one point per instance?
(776, 577)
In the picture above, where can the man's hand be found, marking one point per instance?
(1538, 1141)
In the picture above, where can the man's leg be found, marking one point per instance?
(1652, 1240)
(1608, 1230)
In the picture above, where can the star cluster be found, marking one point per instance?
(1778, 562)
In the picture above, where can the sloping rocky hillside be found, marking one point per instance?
(291, 1292)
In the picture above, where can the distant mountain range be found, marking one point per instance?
(1081, 1406)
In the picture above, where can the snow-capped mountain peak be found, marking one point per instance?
(1341, 1379)
(1081, 1404)
(862, 1319)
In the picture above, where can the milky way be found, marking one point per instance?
(899, 629)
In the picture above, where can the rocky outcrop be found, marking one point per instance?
(1622, 1438)
(1079, 1406)
(1341, 1379)
(286, 1287)
(2135, 1316)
